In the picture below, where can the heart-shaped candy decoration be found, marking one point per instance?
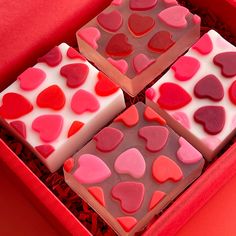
(129, 117)
(20, 127)
(131, 162)
(142, 5)
(118, 46)
(185, 68)
(187, 153)
(51, 97)
(14, 106)
(151, 115)
(104, 86)
(140, 25)
(232, 92)
(74, 128)
(83, 101)
(49, 127)
(156, 137)
(160, 42)
(182, 118)
(52, 58)
(130, 195)
(90, 35)
(212, 118)
(156, 198)
(73, 54)
(164, 169)
(209, 87)
(172, 96)
(76, 74)
(116, 2)
(98, 194)
(141, 62)
(108, 139)
(110, 21)
(45, 150)
(204, 45)
(121, 65)
(174, 16)
(227, 62)
(91, 170)
(31, 78)
(69, 165)
(127, 222)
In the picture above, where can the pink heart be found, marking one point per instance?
(121, 65)
(90, 35)
(141, 62)
(142, 5)
(130, 195)
(187, 153)
(156, 137)
(31, 78)
(110, 21)
(204, 45)
(174, 16)
(108, 139)
(185, 68)
(182, 118)
(131, 162)
(48, 126)
(91, 170)
(116, 2)
(83, 101)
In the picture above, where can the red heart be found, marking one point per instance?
(105, 86)
(69, 165)
(127, 222)
(140, 25)
(164, 169)
(173, 97)
(76, 74)
(110, 21)
(83, 101)
(130, 195)
(75, 127)
(151, 115)
(14, 106)
(52, 58)
(48, 126)
(209, 87)
(232, 92)
(108, 139)
(51, 97)
(98, 194)
(129, 117)
(212, 118)
(161, 42)
(227, 62)
(156, 137)
(45, 150)
(119, 46)
(73, 54)
(20, 127)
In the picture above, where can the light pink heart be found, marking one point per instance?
(48, 126)
(182, 118)
(91, 170)
(31, 78)
(187, 153)
(141, 62)
(90, 35)
(121, 65)
(131, 162)
(83, 101)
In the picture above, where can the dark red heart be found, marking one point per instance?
(232, 92)
(73, 54)
(140, 25)
(105, 86)
(227, 62)
(45, 150)
(52, 58)
(209, 87)
(130, 195)
(160, 42)
(212, 118)
(76, 74)
(20, 127)
(119, 46)
(14, 106)
(173, 97)
(51, 97)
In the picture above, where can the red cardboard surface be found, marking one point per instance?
(29, 28)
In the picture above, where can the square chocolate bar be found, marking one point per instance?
(133, 41)
(197, 96)
(59, 104)
(132, 169)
